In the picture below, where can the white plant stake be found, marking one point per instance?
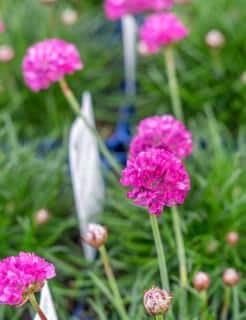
(47, 304)
(129, 27)
(88, 185)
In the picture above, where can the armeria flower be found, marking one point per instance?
(2, 26)
(96, 235)
(69, 16)
(22, 275)
(232, 238)
(6, 53)
(215, 39)
(157, 301)
(49, 61)
(116, 9)
(162, 132)
(157, 179)
(231, 277)
(161, 29)
(201, 281)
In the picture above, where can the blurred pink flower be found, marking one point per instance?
(115, 9)
(157, 301)
(215, 39)
(231, 277)
(2, 26)
(157, 179)
(21, 275)
(49, 61)
(161, 29)
(162, 132)
(6, 53)
(201, 281)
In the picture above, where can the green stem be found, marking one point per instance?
(173, 82)
(160, 252)
(159, 317)
(76, 109)
(204, 304)
(182, 261)
(226, 306)
(235, 303)
(36, 307)
(112, 282)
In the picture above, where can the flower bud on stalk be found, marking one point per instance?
(232, 238)
(156, 301)
(201, 281)
(41, 216)
(215, 40)
(96, 235)
(6, 53)
(69, 17)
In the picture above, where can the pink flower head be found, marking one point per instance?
(116, 9)
(161, 29)
(2, 26)
(49, 61)
(162, 132)
(157, 179)
(6, 53)
(21, 275)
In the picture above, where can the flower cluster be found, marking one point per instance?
(48, 61)
(22, 274)
(115, 9)
(157, 179)
(161, 29)
(156, 301)
(164, 132)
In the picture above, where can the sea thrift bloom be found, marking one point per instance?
(42, 216)
(116, 9)
(201, 281)
(215, 39)
(161, 29)
(162, 132)
(157, 179)
(96, 235)
(49, 61)
(6, 53)
(231, 277)
(2, 26)
(69, 17)
(156, 301)
(232, 238)
(22, 275)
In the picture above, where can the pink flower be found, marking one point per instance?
(157, 301)
(161, 29)
(6, 53)
(115, 9)
(49, 61)
(157, 179)
(21, 275)
(162, 132)
(2, 26)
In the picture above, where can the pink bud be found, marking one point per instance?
(201, 281)
(231, 277)
(69, 17)
(42, 216)
(6, 53)
(232, 238)
(143, 49)
(96, 235)
(2, 26)
(215, 39)
(156, 301)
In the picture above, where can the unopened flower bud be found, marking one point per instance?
(156, 301)
(143, 49)
(42, 216)
(231, 277)
(215, 39)
(201, 281)
(96, 235)
(212, 246)
(69, 17)
(6, 53)
(232, 238)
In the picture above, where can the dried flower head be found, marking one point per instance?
(157, 179)
(163, 132)
(69, 16)
(201, 281)
(22, 275)
(6, 53)
(156, 301)
(42, 216)
(2, 26)
(232, 238)
(96, 235)
(49, 61)
(231, 277)
(215, 39)
(161, 29)
(116, 9)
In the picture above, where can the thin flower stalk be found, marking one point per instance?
(76, 109)
(173, 82)
(36, 307)
(226, 306)
(160, 253)
(113, 283)
(235, 310)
